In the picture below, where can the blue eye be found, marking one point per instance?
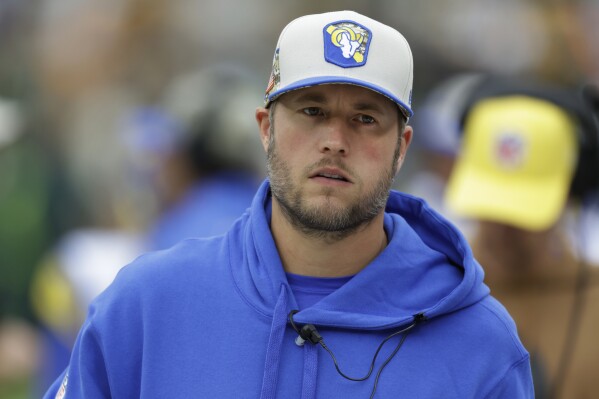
(367, 119)
(312, 111)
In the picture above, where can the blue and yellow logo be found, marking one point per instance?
(346, 43)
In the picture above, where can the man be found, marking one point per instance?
(519, 159)
(316, 284)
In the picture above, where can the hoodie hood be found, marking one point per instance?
(427, 268)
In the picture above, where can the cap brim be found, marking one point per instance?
(322, 80)
(525, 203)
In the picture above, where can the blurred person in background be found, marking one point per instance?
(529, 158)
(209, 160)
(195, 154)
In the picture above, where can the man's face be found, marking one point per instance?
(333, 151)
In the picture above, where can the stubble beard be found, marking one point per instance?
(327, 221)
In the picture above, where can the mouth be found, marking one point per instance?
(331, 174)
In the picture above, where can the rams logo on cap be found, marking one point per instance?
(346, 43)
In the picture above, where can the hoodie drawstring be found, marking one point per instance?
(310, 371)
(273, 355)
(273, 350)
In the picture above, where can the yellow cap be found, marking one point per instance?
(517, 161)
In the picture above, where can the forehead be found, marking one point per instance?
(356, 96)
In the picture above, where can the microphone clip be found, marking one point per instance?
(308, 332)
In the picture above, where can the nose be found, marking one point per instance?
(334, 138)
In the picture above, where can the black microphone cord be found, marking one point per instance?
(309, 333)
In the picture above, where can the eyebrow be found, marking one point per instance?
(313, 97)
(321, 99)
(369, 106)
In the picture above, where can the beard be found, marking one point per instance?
(326, 221)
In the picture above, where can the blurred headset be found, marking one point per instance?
(581, 103)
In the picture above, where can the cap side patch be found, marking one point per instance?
(346, 43)
(275, 76)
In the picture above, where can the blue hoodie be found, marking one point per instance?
(208, 318)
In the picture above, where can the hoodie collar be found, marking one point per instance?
(427, 267)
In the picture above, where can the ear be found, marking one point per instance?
(262, 117)
(406, 139)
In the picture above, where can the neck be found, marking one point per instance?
(313, 255)
(507, 253)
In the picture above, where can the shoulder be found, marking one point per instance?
(497, 326)
(484, 331)
(190, 263)
(183, 259)
(484, 336)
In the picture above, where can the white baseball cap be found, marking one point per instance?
(342, 47)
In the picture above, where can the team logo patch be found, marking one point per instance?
(510, 150)
(346, 43)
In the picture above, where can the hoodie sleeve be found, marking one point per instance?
(85, 376)
(57, 386)
(516, 383)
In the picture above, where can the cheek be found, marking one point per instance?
(295, 143)
(292, 146)
(379, 153)
(289, 151)
(374, 153)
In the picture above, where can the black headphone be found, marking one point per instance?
(581, 103)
